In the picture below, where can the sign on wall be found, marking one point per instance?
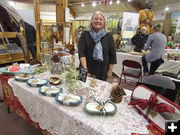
(129, 26)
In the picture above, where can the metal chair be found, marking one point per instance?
(132, 69)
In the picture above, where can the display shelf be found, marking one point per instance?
(11, 57)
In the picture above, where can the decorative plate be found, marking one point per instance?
(4, 70)
(94, 108)
(69, 99)
(37, 82)
(50, 90)
(23, 77)
(55, 80)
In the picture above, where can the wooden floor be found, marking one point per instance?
(12, 124)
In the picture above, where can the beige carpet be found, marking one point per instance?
(12, 124)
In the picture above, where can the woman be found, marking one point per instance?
(170, 44)
(96, 49)
(157, 42)
(140, 39)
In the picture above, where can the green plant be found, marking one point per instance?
(71, 78)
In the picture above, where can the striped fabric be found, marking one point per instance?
(107, 2)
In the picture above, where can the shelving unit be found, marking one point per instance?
(10, 56)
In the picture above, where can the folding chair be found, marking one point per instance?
(132, 69)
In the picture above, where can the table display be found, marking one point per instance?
(75, 121)
(65, 120)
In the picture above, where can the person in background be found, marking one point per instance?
(170, 43)
(96, 49)
(156, 42)
(140, 39)
(30, 34)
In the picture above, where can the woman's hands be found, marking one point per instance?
(109, 74)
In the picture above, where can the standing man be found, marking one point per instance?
(140, 39)
(30, 33)
(31, 38)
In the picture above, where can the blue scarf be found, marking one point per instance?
(98, 50)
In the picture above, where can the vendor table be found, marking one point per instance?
(45, 113)
(169, 66)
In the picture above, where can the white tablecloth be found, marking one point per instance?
(170, 66)
(65, 120)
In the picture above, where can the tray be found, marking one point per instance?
(23, 77)
(37, 82)
(69, 99)
(91, 108)
(50, 90)
(4, 70)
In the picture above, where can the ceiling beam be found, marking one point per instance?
(72, 12)
(135, 4)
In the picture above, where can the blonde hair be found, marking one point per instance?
(95, 13)
(157, 27)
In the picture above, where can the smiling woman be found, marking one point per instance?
(96, 49)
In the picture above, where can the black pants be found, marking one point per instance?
(31, 47)
(154, 65)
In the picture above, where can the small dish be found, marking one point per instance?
(50, 90)
(23, 77)
(69, 99)
(37, 82)
(93, 108)
(55, 80)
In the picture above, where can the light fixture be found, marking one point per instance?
(94, 4)
(167, 8)
(110, 2)
(11, 3)
(129, 0)
(100, 3)
(82, 5)
(118, 1)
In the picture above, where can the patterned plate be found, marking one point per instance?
(94, 108)
(50, 90)
(37, 82)
(69, 99)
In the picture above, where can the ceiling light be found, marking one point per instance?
(11, 3)
(82, 5)
(167, 8)
(110, 2)
(94, 4)
(129, 0)
(118, 1)
(100, 3)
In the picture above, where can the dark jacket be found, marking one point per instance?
(30, 33)
(139, 41)
(85, 49)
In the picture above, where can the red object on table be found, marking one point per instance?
(13, 102)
